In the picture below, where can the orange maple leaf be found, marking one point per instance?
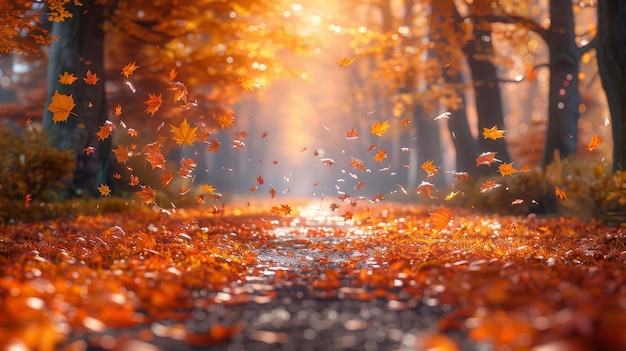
(153, 102)
(357, 164)
(118, 110)
(147, 195)
(180, 91)
(61, 106)
(405, 121)
(225, 120)
(486, 158)
(272, 191)
(429, 167)
(345, 62)
(122, 153)
(129, 69)
(461, 176)
(104, 190)
(247, 83)
(379, 128)
(89, 150)
(208, 188)
(595, 142)
(134, 180)
(493, 133)
(91, 78)
(214, 145)
(352, 134)
(105, 130)
(347, 215)
(441, 217)
(380, 156)
(116, 175)
(183, 134)
(425, 188)
(506, 169)
(27, 200)
(560, 193)
(67, 78)
(153, 155)
(172, 75)
(166, 178)
(488, 185)
(260, 180)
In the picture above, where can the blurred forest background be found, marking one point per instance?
(283, 96)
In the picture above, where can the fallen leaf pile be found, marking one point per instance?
(510, 282)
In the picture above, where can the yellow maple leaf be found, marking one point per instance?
(104, 190)
(247, 83)
(153, 102)
(67, 78)
(506, 169)
(379, 128)
(345, 62)
(493, 133)
(595, 142)
(184, 134)
(129, 69)
(61, 107)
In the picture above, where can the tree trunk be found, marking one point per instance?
(488, 100)
(80, 48)
(612, 67)
(564, 95)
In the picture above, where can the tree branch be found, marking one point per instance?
(525, 22)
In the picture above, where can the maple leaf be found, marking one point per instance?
(488, 185)
(425, 188)
(173, 74)
(105, 130)
(260, 180)
(122, 153)
(116, 175)
(91, 78)
(345, 62)
(166, 178)
(153, 102)
(429, 167)
(352, 134)
(67, 78)
(451, 195)
(372, 147)
(208, 188)
(461, 176)
(441, 217)
(225, 120)
(357, 164)
(595, 142)
(327, 161)
(560, 193)
(486, 158)
(134, 180)
(246, 83)
(155, 157)
(132, 132)
(405, 121)
(506, 169)
(118, 110)
(493, 133)
(183, 134)
(214, 145)
(89, 150)
(104, 190)
(347, 215)
(272, 191)
(147, 195)
(380, 156)
(379, 128)
(61, 106)
(180, 91)
(286, 209)
(27, 200)
(129, 69)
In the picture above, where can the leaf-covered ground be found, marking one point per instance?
(260, 277)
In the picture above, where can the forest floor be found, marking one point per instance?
(299, 276)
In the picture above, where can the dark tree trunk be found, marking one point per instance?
(612, 66)
(488, 99)
(564, 95)
(80, 48)
(465, 144)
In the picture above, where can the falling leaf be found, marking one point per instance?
(488, 185)
(445, 115)
(461, 176)
(357, 164)
(345, 62)
(246, 83)
(67, 78)
(517, 202)
(493, 133)
(260, 180)
(441, 217)
(272, 191)
(116, 175)
(27, 200)
(105, 130)
(560, 193)
(183, 134)
(380, 156)
(134, 180)
(352, 134)
(425, 188)
(132, 132)
(61, 107)
(531, 73)
(486, 158)
(147, 195)
(347, 215)
(429, 167)
(129, 69)
(506, 169)
(372, 147)
(104, 190)
(166, 178)
(89, 150)
(28, 121)
(327, 161)
(118, 110)
(225, 120)
(172, 75)
(208, 188)
(153, 102)
(451, 195)
(379, 128)
(180, 91)
(405, 121)
(286, 209)
(91, 78)
(122, 153)
(595, 142)
(214, 145)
